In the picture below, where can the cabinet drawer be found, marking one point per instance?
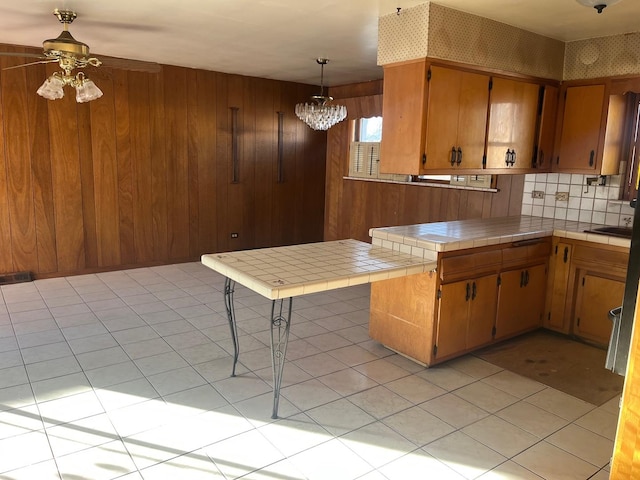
(606, 257)
(470, 265)
(526, 252)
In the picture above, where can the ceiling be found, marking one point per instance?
(279, 39)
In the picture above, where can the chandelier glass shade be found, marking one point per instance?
(599, 5)
(53, 87)
(320, 114)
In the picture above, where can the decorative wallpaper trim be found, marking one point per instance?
(602, 57)
(431, 30)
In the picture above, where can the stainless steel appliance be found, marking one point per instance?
(618, 352)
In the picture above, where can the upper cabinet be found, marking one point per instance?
(456, 119)
(445, 119)
(513, 114)
(403, 104)
(592, 129)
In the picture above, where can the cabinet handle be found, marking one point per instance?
(468, 293)
(566, 254)
(424, 158)
(459, 160)
(474, 291)
(591, 155)
(506, 157)
(522, 279)
(453, 156)
(526, 278)
(513, 157)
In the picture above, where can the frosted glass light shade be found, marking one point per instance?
(87, 91)
(51, 89)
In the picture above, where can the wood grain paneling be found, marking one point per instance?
(142, 175)
(352, 207)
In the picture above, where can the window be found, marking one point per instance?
(368, 129)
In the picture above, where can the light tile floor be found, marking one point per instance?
(126, 375)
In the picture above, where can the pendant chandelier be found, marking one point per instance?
(320, 115)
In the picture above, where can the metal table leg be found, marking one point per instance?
(280, 324)
(229, 286)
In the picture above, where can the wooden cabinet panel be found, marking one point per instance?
(513, 111)
(402, 313)
(453, 317)
(581, 124)
(403, 106)
(547, 128)
(596, 295)
(482, 312)
(559, 268)
(466, 315)
(456, 119)
(520, 300)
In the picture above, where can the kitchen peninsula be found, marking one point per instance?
(495, 278)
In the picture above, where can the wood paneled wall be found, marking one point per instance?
(143, 175)
(352, 207)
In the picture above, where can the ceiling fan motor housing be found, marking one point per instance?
(65, 43)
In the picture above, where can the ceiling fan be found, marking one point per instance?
(71, 54)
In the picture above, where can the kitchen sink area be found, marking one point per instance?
(614, 231)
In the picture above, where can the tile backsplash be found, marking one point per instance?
(585, 203)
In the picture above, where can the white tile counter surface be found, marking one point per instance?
(289, 271)
(426, 239)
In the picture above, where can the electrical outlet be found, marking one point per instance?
(537, 194)
(562, 196)
(234, 235)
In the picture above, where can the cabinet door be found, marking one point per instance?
(482, 310)
(581, 120)
(533, 304)
(547, 129)
(453, 312)
(403, 105)
(513, 112)
(520, 300)
(559, 267)
(456, 119)
(596, 296)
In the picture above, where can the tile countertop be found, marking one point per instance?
(283, 272)
(426, 239)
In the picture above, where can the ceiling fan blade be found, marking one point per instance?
(51, 60)
(128, 64)
(23, 55)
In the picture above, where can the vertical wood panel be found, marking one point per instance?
(140, 124)
(18, 161)
(193, 159)
(67, 185)
(176, 141)
(158, 152)
(105, 174)
(6, 250)
(85, 150)
(223, 152)
(41, 172)
(125, 169)
(266, 156)
(141, 175)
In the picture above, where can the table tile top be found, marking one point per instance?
(461, 234)
(289, 271)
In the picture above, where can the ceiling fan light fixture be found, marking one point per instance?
(86, 91)
(599, 5)
(320, 115)
(52, 89)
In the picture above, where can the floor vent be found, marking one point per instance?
(18, 277)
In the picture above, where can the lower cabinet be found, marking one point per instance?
(521, 300)
(466, 314)
(585, 282)
(433, 317)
